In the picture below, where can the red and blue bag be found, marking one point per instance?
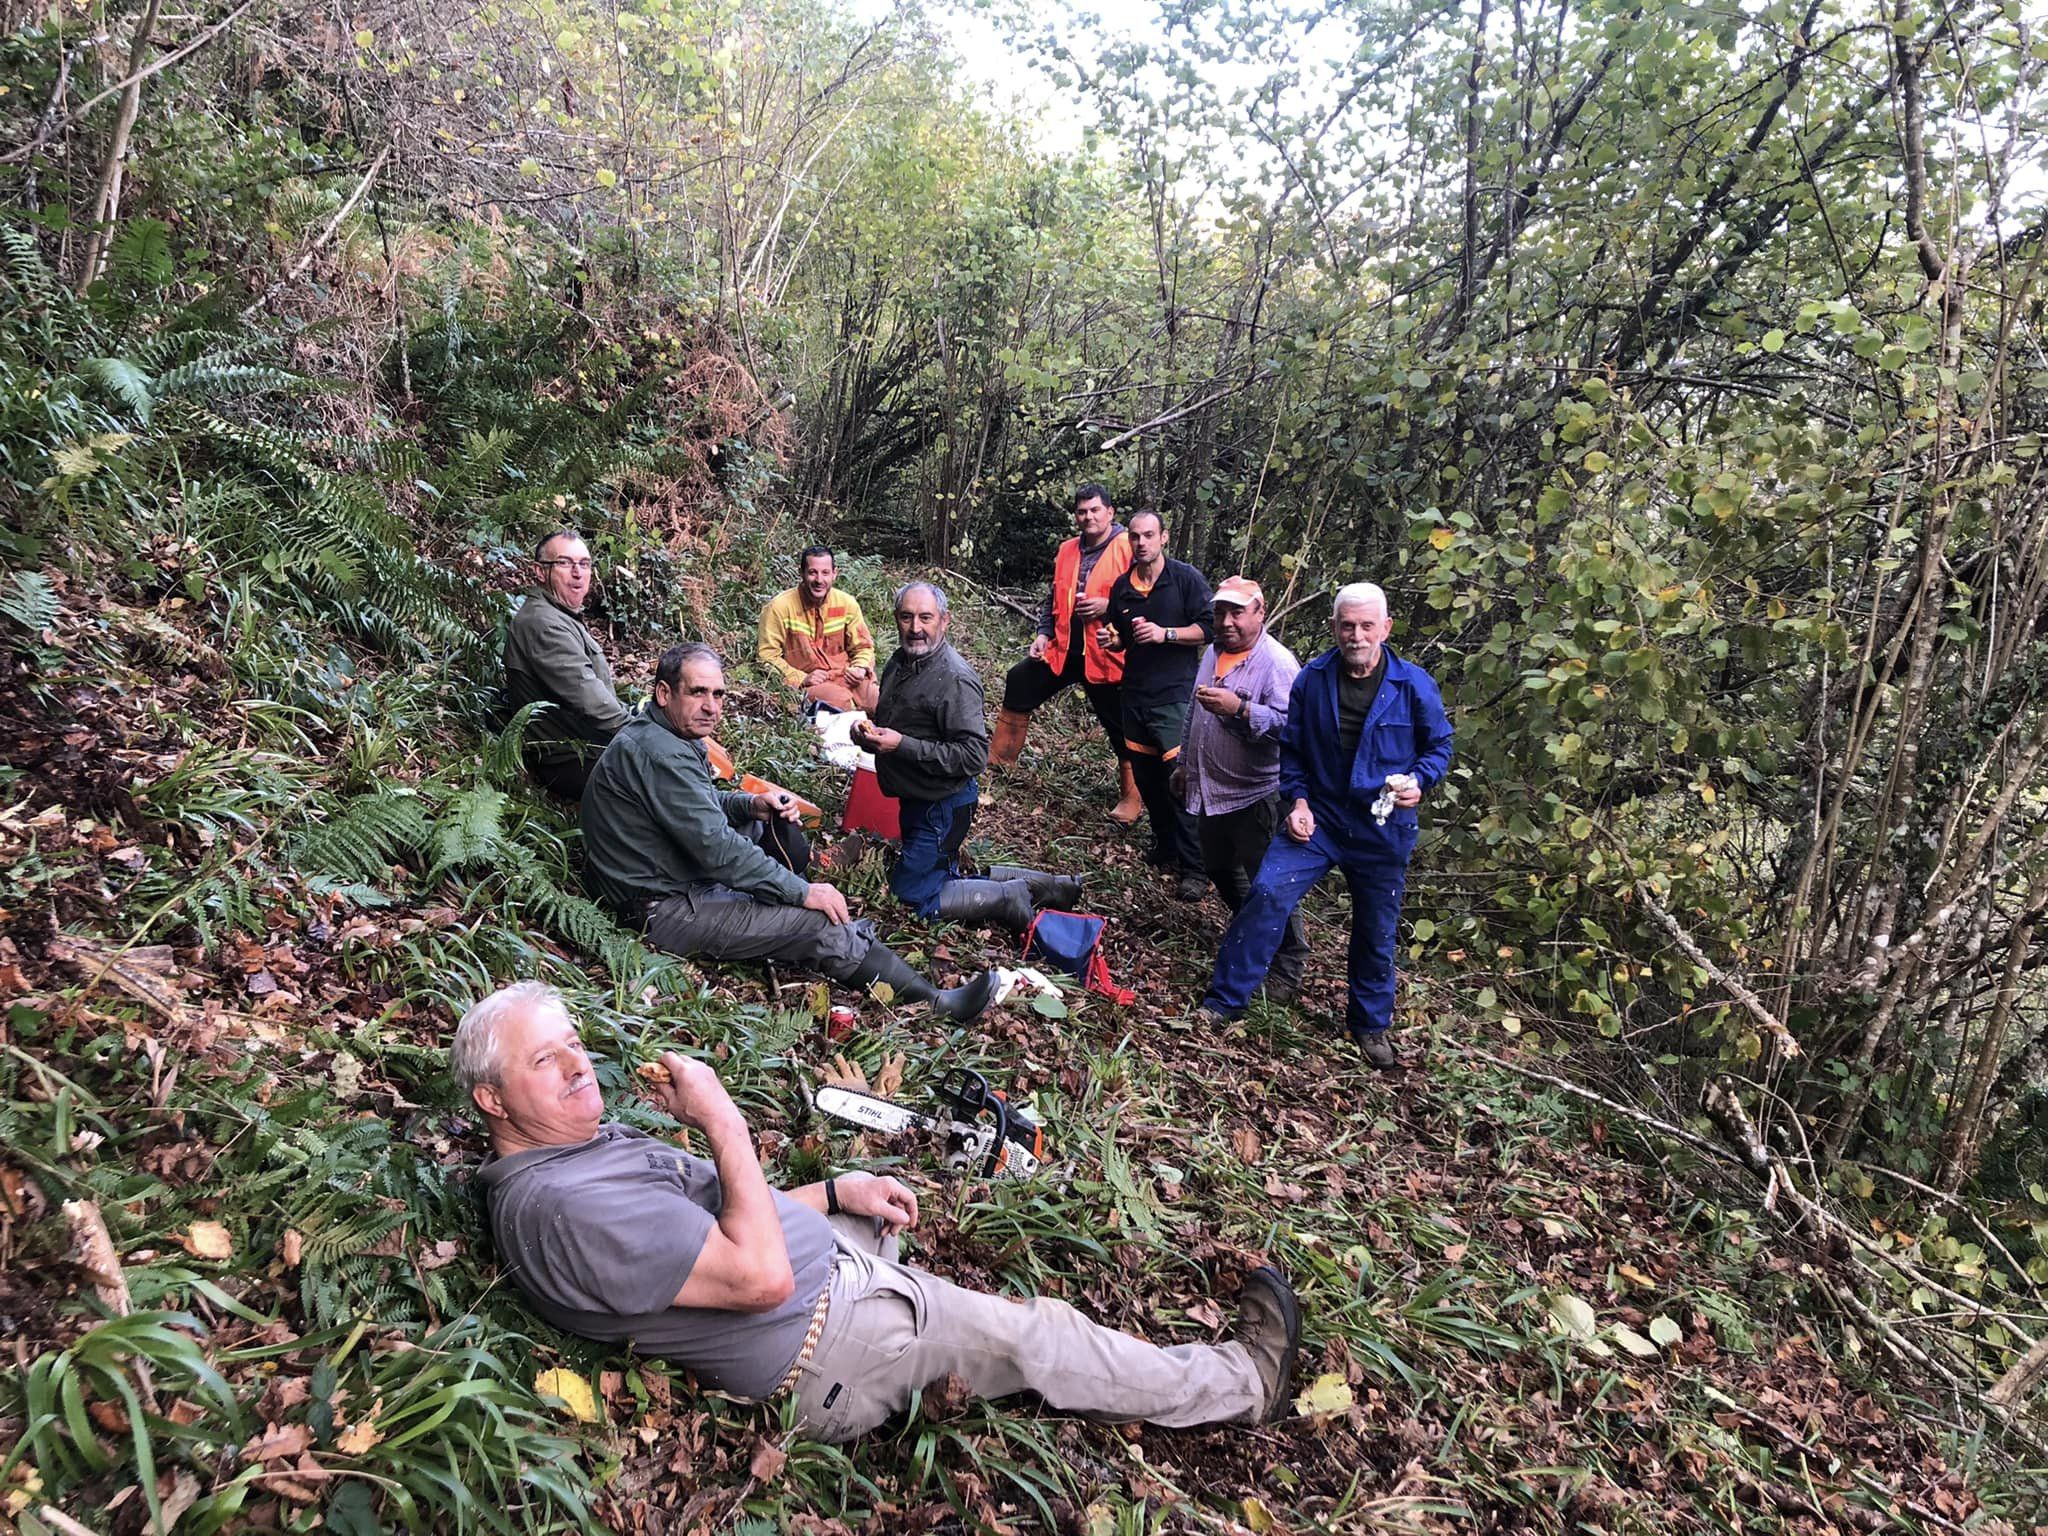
(1072, 942)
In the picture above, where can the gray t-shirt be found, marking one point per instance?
(600, 1236)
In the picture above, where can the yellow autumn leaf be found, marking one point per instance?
(208, 1240)
(572, 1389)
(1256, 1515)
(360, 1436)
(1442, 538)
(1328, 1394)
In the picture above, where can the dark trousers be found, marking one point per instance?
(1152, 734)
(714, 922)
(1233, 843)
(561, 768)
(1031, 683)
(933, 832)
(784, 842)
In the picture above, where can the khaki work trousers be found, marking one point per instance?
(892, 1330)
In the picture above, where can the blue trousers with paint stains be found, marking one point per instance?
(1286, 875)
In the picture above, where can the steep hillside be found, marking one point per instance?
(257, 868)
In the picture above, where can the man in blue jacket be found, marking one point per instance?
(1366, 738)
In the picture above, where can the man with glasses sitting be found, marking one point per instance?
(550, 657)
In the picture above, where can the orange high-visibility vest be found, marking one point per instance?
(1097, 665)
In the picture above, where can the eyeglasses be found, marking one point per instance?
(574, 565)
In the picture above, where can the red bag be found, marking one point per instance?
(869, 810)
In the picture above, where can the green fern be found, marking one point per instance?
(30, 600)
(470, 830)
(371, 834)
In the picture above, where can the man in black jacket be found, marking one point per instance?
(1160, 610)
(929, 735)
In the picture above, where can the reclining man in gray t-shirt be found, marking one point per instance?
(619, 1237)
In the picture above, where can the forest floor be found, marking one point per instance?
(1519, 1315)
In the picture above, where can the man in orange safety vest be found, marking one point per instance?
(1068, 647)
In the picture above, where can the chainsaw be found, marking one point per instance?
(985, 1134)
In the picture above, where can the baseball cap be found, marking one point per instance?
(1239, 592)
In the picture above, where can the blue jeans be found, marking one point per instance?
(1285, 876)
(933, 831)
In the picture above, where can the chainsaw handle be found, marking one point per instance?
(970, 1096)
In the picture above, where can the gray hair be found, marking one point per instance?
(478, 1053)
(938, 596)
(1359, 594)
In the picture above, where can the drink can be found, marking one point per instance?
(839, 1021)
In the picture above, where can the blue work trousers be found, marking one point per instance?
(1285, 876)
(933, 832)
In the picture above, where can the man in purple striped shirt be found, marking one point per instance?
(1229, 769)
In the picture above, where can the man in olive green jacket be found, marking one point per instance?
(665, 849)
(551, 658)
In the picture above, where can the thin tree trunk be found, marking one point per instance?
(107, 200)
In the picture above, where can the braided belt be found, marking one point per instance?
(811, 1336)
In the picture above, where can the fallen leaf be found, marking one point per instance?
(294, 1247)
(1454, 1253)
(109, 1416)
(947, 1397)
(208, 1240)
(278, 1442)
(1328, 1394)
(441, 1255)
(766, 1464)
(360, 1436)
(182, 1494)
(1245, 1141)
(572, 1389)
(1256, 1515)
(1665, 1331)
(1572, 1315)
(1632, 1341)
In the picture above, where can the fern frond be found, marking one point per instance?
(124, 381)
(469, 830)
(504, 757)
(30, 600)
(371, 833)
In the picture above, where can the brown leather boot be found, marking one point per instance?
(1130, 807)
(1008, 742)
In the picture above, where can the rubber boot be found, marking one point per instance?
(1007, 744)
(966, 1001)
(1131, 806)
(1063, 891)
(1003, 903)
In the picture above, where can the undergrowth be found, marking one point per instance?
(267, 838)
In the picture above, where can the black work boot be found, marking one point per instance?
(1193, 885)
(966, 1001)
(1005, 903)
(1378, 1047)
(1047, 890)
(1269, 1327)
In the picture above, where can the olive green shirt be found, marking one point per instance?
(550, 656)
(655, 824)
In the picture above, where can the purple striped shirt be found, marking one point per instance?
(1234, 762)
